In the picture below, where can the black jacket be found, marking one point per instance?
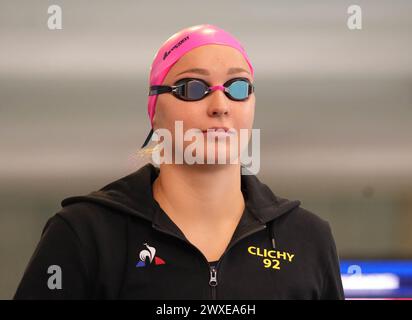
(117, 243)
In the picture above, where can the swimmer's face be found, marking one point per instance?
(216, 109)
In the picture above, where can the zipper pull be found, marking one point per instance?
(213, 277)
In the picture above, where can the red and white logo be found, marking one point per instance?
(149, 253)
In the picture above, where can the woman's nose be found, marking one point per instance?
(218, 104)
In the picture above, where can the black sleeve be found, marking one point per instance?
(332, 283)
(60, 247)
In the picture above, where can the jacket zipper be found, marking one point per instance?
(213, 270)
(213, 281)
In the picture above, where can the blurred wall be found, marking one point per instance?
(334, 107)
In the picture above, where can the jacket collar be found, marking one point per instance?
(132, 194)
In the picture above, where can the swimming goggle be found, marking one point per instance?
(192, 89)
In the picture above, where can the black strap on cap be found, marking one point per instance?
(149, 136)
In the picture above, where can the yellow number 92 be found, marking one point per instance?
(274, 263)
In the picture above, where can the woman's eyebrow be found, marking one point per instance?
(206, 72)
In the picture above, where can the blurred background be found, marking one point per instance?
(334, 107)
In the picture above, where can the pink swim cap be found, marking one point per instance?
(176, 46)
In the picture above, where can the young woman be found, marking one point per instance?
(188, 231)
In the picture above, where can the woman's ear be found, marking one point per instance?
(154, 122)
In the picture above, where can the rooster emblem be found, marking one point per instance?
(149, 252)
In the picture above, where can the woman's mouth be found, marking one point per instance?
(219, 131)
